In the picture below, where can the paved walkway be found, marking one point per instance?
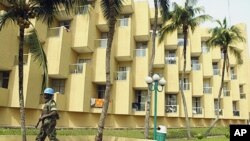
(70, 138)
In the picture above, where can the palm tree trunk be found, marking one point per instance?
(182, 84)
(219, 95)
(147, 116)
(20, 74)
(101, 123)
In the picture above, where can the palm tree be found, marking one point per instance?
(111, 10)
(184, 18)
(164, 9)
(224, 37)
(20, 12)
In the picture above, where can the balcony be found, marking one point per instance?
(197, 110)
(59, 42)
(236, 113)
(216, 71)
(121, 75)
(226, 92)
(242, 96)
(195, 66)
(127, 7)
(170, 60)
(75, 68)
(101, 23)
(207, 90)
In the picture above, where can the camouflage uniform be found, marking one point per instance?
(49, 124)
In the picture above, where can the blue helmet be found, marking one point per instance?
(49, 91)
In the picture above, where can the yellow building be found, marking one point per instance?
(75, 46)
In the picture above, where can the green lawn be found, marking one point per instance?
(173, 134)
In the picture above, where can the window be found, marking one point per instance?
(121, 73)
(158, 27)
(140, 100)
(104, 40)
(242, 94)
(226, 91)
(171, 103)
(207, 89)
(181, 40)
(170, 57)
(233, 73)
(204, 47)
(217, 107)
(185, 85)
(58, 85)
(4, 79)
(196, 103)
(195, 63)
(236, 111)
(141, 49)
(123, 21)
(101, 91)
(216, 70)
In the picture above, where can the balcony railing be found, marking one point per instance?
(170, 60)
(121, 75)
(76, 68)
(123, 22)
(197, 110)
(196, 66)
(186, 86)
(96, 102)
(236, 113)
(220, 111)
(205, 49)
(102, 43)
(181, 42)
(207, 90)
(140, 52)
(171, 108)
(136, 106)
(233, 76)
(242, 96)
(226, 92)
(54, 32)
(216, 71)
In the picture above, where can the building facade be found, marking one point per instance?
(75, 46)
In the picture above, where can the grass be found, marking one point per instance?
(218, 133)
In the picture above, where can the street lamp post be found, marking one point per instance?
(153, 84)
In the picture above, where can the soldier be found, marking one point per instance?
(48, 117)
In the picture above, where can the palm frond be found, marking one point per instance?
(7, 17)
(38, 53)
(236, 53)
(165, 30)
(164, 9)
(105, 5)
